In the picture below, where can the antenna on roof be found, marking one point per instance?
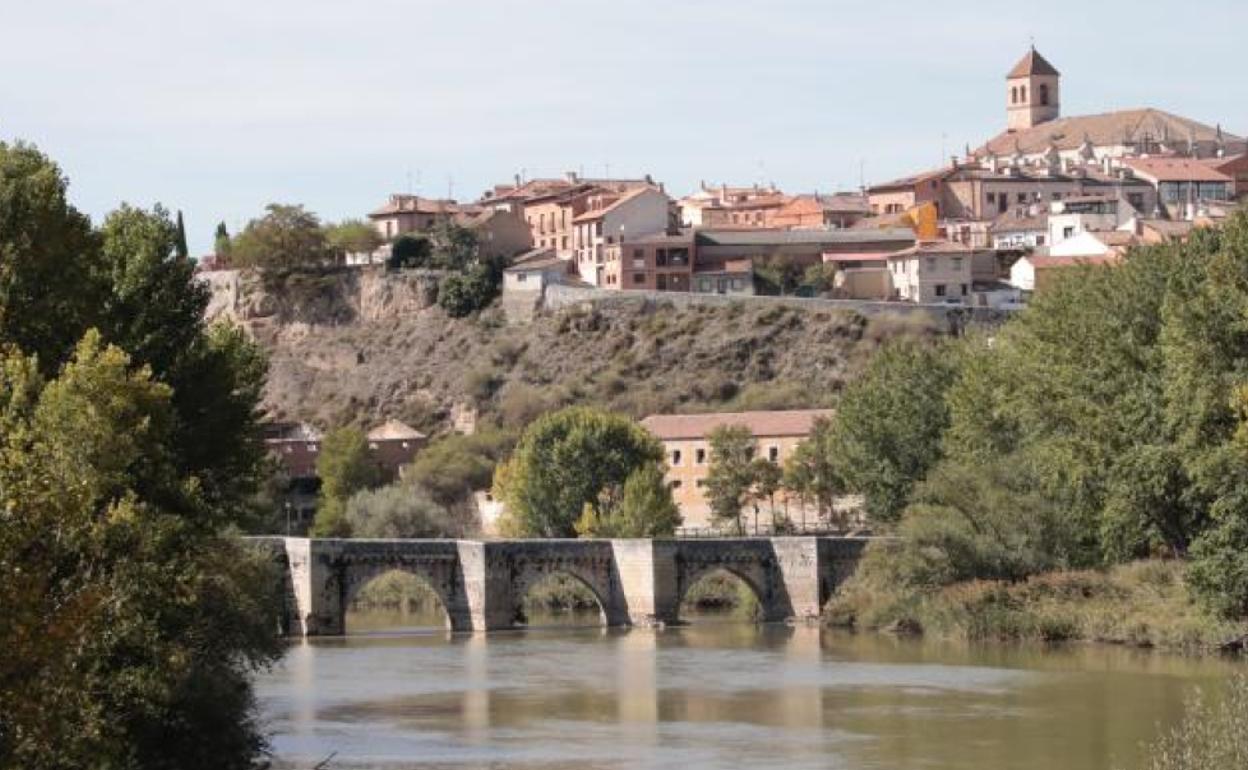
(450, 187)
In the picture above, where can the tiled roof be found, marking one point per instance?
(855, 256)
(393, 430)
(1032, 64)
(837, 202)
(593, 214)
(295, 431)
(416, 204)
(537, 259)
(1014, 222)
(934, 247)
(1176, 169)
(1105, 129)
(911, 181)
(669, 427)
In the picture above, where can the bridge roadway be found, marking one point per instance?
(482, 583)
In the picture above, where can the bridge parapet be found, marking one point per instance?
(636, 582)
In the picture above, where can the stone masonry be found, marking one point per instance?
(636, 582)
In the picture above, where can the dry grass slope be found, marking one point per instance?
(415, 366)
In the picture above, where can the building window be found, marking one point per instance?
(1014, 95)
(940, 290)
(639, 254)
(699, 456)
(1021, 197)
(676, 484)
(1068, 232)
(773, 454)
(1022, 93)
(931, 263)
(700, 483)
(675, 457)
(992, 199)
(1044, 94)
(957, 263)
(521, 277)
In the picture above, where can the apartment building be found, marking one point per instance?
(822, 211)
(611, 219)
(726, 206)
(934, 272)
(657, 262)
(686, 443)
(413, 213)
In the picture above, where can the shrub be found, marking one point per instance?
(1213, 733)
(400, 511)
(410, 251)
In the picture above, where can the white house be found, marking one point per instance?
(613, 218)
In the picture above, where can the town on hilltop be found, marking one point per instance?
(982, 234)
(1046, 192)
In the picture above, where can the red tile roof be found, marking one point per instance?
(1032, 64)
(1176, 169)
(798, 422)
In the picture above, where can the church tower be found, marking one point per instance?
(1032, 91)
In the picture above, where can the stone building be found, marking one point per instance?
(686, 442)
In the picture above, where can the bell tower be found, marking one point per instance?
(1032, 92)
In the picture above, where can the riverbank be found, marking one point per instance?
(1142, 604)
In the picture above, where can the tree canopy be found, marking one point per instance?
(571, 459)
(129, 445)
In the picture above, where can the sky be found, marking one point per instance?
(218, 108)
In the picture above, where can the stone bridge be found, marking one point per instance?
(636, 582)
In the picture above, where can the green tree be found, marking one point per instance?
(820, 278)
(463, 294)
(410, 250)
(453, 467)
(50, 286)
(778, 274)
(153, 308)
(455, 247)
(352, 236)
(813, 472)
(768, 480)
(642, 508)
(286, 237)
(345, 467)
(567, 460)
(221, 241)
(889, 423)
(400, 510)
(183, 251)
(130, 635)
(730, 475)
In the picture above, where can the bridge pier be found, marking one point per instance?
(637, 582)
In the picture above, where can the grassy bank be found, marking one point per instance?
(1144, 604)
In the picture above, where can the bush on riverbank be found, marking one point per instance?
(1142, 603)
(1213, 734)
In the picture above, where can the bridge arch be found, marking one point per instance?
(362, 578)
(705, 572)
(537, 578)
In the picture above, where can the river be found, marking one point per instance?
(715, 695)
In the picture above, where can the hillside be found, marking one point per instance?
(344, 356)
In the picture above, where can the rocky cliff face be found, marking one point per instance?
(328, 297)
(362, 346)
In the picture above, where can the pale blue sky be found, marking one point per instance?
(220, 107)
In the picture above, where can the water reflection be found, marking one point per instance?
(718, 695)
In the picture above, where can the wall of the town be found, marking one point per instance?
(557, 297)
